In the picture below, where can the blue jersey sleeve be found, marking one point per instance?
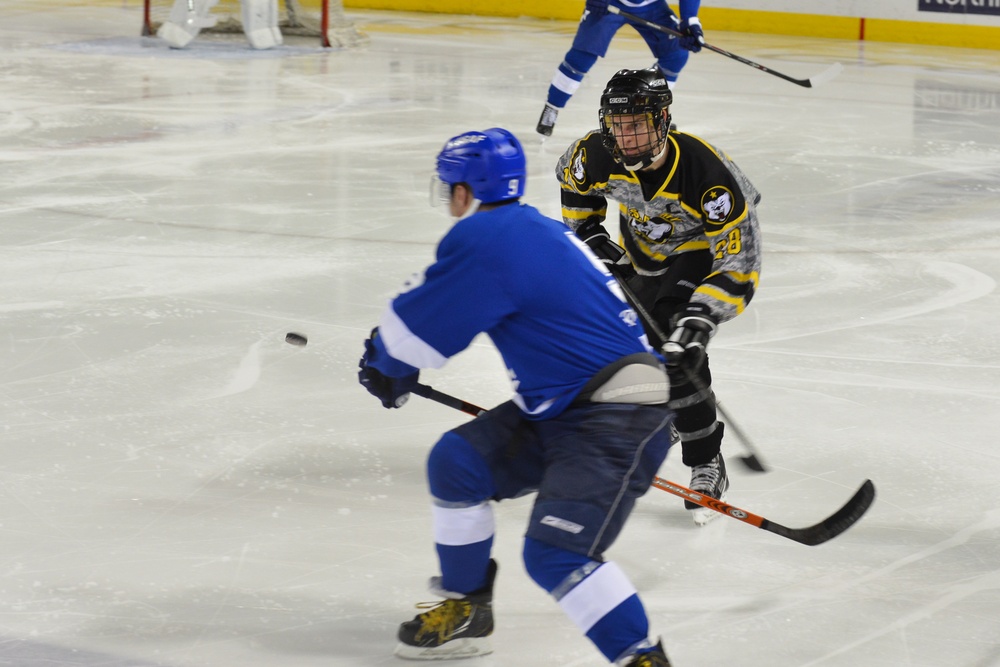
(459, 297)
(689, 8)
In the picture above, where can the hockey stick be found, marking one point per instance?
(751, 459)
(812, 82)
(445, 399)
(825, 530)
(818, 533)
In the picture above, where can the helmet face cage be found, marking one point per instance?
(491, 163)
(440, 192)
(635, 108)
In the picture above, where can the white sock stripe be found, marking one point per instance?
(595, 596)
(565, 84)
(458, 526)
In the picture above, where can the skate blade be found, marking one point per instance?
(703, 515)
(453, 650)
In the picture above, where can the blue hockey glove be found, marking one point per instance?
(596, 8)
(392, 391)
(613, 255)
(685, 349)
(694, 36)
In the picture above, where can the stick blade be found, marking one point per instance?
(826, 75)
(832, 526)
(752, 463)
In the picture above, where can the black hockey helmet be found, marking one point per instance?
(643, 93)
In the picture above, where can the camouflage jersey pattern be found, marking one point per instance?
(699, 200)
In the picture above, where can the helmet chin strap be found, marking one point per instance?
(642, 164)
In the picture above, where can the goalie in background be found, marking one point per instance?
(188, 18)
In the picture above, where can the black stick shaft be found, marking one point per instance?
(805, 83)
(445, 399)
(752, 459)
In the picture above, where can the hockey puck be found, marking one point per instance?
(295, 339)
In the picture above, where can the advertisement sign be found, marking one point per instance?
(960, 6)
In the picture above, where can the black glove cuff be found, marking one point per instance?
(588, 231)
(697, 317)
(698, 310)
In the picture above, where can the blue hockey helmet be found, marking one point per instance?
(490, 162)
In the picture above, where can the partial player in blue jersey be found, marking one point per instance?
(587, 429)
(593, 36)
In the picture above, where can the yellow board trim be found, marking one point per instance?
(937, 34)
(555, 9)
(779, 23)
(725, 19)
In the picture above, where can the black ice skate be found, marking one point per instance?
(547, 121)
(709, 479)
(458, 627)
(655, 658)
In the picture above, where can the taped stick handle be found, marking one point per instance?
(429, 392)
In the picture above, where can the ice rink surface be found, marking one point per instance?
(181, 488)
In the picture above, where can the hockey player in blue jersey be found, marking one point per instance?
(594, 34)
(587, 428)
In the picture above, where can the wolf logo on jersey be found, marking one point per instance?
(717, 204)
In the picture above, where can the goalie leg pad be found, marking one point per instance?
(186, 20)
(260, 23)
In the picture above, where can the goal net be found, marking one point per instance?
(322, 19)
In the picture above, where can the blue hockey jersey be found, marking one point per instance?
(551, 308)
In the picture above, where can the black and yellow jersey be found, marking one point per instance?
(699, 200)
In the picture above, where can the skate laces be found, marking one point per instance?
(442, 617)
(706, 477)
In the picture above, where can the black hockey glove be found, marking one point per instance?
(685, 349)
(613, 255)
(392, 391)
(694, 36)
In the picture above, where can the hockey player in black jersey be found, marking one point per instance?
(688, 224)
